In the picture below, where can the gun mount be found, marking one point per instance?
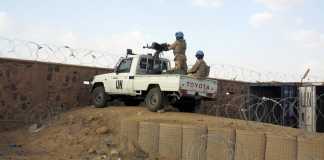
(159, 48)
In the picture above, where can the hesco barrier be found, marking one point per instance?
(170, 141)
(196, 142)
(249, 145)
(310, 147)
(149, 138)
(221, 144)
(281, 147)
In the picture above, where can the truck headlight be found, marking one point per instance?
(86, 82)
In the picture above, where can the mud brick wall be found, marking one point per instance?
(32, 91)
(231, 96)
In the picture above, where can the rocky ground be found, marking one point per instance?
(93, 134)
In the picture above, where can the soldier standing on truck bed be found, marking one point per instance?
(199, 70)
(179, 50)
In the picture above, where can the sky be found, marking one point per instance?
(270, 37)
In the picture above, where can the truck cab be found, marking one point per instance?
(121, 80)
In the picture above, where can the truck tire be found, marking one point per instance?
(99, 97)
(153, 99)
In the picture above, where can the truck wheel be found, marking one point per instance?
(99, 97)
(153, 99)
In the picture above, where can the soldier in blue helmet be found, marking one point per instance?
(200, 69)
(179, 50)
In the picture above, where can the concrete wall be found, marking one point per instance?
(30, 91)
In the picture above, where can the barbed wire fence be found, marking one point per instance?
(278, 111)
(64, 54)
(231, 72)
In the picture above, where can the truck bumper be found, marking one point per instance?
(186, 93)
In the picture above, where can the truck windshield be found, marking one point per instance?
(149, 66)
(125, 65)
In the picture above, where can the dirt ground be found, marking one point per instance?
(89, 133)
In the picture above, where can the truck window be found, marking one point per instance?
(164, 65)
(143, 63)
(150, 64)
(125, 65)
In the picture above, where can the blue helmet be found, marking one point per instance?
(200, 54)
(179, 35)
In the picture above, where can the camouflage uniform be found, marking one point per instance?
(200, 69)
(179, 50)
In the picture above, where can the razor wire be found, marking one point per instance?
(252, 108)
(238, 73)
(258, 116)
(65, 54)
(283, 112)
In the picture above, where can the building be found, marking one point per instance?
(290, 104)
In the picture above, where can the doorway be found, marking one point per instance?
(320, 109)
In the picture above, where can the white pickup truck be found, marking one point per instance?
(135, 80)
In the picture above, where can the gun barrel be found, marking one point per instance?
(157, 46)
(147, 46)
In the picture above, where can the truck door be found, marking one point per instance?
(122, 81)
(307, 108)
